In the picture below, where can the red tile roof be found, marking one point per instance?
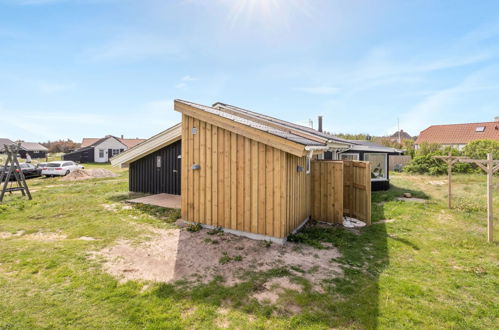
(130, 143)
(459, 133)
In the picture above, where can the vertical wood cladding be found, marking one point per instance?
(159, 172)
(241, 184)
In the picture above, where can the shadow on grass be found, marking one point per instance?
(348, 301)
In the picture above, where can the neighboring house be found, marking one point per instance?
(100, 150)
(228, 163)
(458, 135)
(33, 149)
(377, 155)
(155, 164)
(400, 135)
(3, 143)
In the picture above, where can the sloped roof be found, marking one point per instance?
(305, 129)
(33, 146)
(5, 141)
(130, 143)
(459, 133)
(149, 146)
(362, 145)
(254, 124)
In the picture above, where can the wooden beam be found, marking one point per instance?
(291, 147)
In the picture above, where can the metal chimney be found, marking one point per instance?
(319, 123)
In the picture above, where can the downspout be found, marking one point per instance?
(311, 150)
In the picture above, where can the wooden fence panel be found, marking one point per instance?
(357, 190)
(327, 191)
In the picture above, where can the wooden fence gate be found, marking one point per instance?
(357, 190)
(327, 191)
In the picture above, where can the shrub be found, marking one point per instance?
(194, 227)
(426, 165)
(478, 149)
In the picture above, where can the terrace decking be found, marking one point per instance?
(163, 200)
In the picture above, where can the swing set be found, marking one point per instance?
(10, 170)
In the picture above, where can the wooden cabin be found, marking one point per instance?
(248, 173)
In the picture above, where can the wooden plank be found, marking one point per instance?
(202, 173)
(284, 193)
(233, 181)
(262, 197)
(240, 183)
(214, 179)
(276, 220)
(269, 214)
(190, 172)
(254, 186)
(228, 179)
(208, 186)
(196, 158)
(247, 185)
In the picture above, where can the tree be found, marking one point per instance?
(479, 149)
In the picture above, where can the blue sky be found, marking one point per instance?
(87, 68)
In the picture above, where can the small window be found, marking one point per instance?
(116, 152)
(158, 161)
(349, 156)
(480, 129)
(378, 165)
(101, 153)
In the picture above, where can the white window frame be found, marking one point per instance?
(355, 155)
(158, 161)
(386, 164)
(101, 153)
(115, 152)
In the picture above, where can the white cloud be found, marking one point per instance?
(319, 90)
(184, 82)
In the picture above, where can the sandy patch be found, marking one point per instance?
(48, 237)
(94, 173)
(383, 221)
(273, 288)
(177, 254)
(6, 234)
(412, 199)
(86, 238)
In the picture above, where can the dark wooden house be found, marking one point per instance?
(155, 164)
(377, 155)
(33, 149)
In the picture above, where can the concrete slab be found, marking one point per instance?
(163, 200)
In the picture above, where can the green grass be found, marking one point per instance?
(430, 268)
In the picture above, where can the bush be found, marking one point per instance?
(478, 149)
(426, 165)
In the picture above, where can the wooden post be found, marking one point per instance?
(490, 189)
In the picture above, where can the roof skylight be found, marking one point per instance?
(480, 129)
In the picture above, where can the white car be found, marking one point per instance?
(60, 168)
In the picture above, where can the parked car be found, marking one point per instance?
(29, 171)
(60, 168)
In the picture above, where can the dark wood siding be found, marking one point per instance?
(33, 154)
(85, 155)
(147, 177)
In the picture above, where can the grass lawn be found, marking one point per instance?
(428, 268)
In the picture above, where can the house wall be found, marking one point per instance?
(33, 154)
(298, 196)
(110, 143)
(147, 175)
(241, 184)
(81, 156)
